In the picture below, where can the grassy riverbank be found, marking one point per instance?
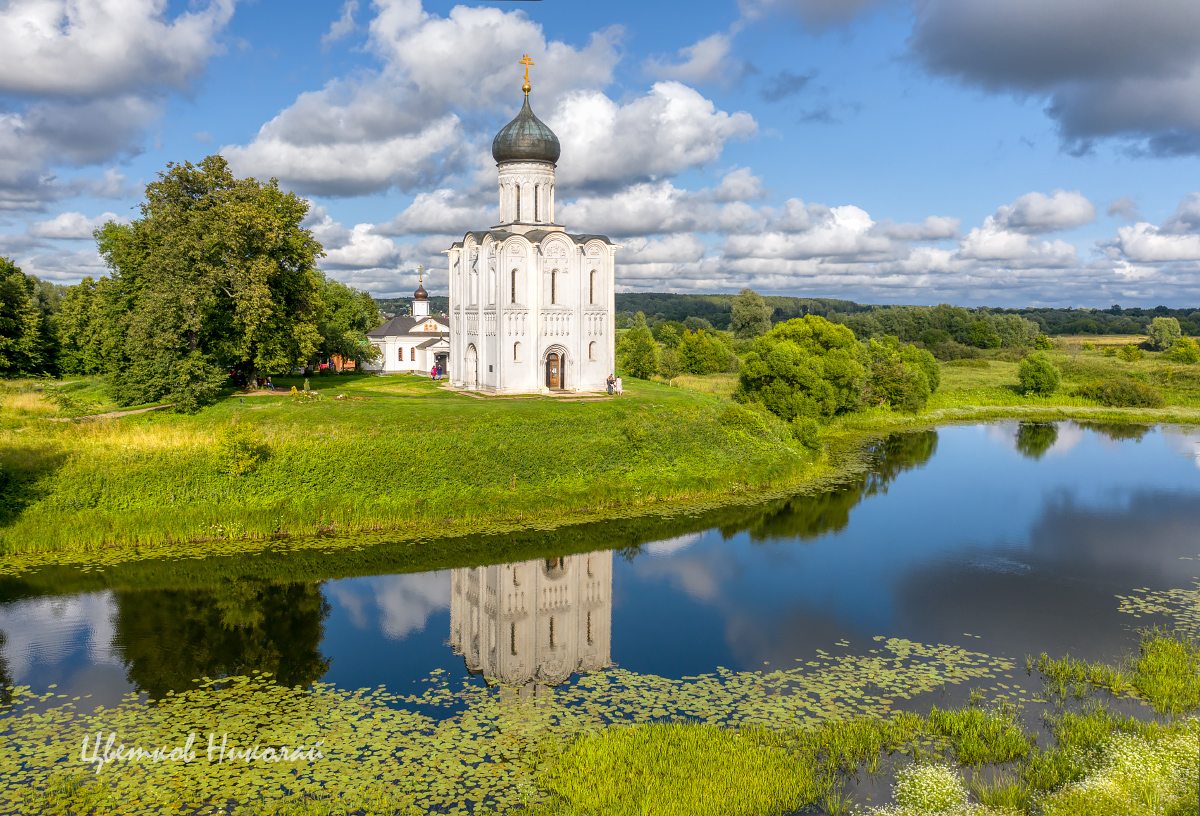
(400, 455)
(394, 453)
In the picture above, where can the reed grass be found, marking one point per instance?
(1167, 671)
(678, 770)
(979, 736)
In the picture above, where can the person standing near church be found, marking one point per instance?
(611, 383)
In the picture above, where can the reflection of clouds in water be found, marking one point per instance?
(1069, 435)
(49, 630)
(695, 575)
(1187, 444)
(404, 602)
(669, 546)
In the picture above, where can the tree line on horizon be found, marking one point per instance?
(906, 322)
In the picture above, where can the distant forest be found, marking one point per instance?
(907, 322)
(438, 305)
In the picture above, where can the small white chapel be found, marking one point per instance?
(412, 343)
(531, 305)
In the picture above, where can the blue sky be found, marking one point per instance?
(980, 152)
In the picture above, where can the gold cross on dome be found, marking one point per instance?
(526, 61)
(420, 274)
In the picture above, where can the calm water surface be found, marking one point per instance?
(1006, 539)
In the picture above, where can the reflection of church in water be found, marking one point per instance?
(533, 623)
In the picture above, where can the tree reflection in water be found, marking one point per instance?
(168, 638)
(810, 516)
(1035, 438)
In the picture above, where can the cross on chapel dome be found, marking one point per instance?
(420, 294)
(526, 138)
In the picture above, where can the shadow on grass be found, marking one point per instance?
(24, 473)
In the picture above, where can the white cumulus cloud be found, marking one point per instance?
(72, 225)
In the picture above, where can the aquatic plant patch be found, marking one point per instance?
(1180, 604)
(450, 748)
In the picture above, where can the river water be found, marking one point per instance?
(1006, 538)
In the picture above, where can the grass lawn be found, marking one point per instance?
(368, 453)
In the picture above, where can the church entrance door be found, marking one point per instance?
(472, 367)
(554, 372)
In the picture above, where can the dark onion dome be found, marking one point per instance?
(420, 294)
(526, 138)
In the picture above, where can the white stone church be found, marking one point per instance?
(531, 305)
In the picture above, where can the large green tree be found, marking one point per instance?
(217, 273)
(21, 344)
(87, 328)
(804, 367)
(347, 317)
(751, 315)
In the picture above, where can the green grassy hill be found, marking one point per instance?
(371, 453)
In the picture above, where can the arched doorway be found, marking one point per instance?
(471, 375)
(555, 379)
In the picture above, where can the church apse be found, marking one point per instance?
(533, 623)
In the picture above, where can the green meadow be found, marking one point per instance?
(367, 453)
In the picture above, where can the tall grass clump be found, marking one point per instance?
(1078, 739)
(677, 770)
(979, 736)
(1167, 671)
(1070, 677)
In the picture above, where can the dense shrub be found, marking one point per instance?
(1130, 353)
(1038, 375)
(804, 367)
(951, 350)
(1163, 332)
(1121, 392)
(240, 448)
(894, 381)
(1043, 342)
(919, 357)
(637, 351)
(1109, 351)
(1186, 350)
(739, 417)
(705, 352)
(807, 432)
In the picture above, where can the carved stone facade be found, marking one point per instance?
(533, 623)
(533, 306)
